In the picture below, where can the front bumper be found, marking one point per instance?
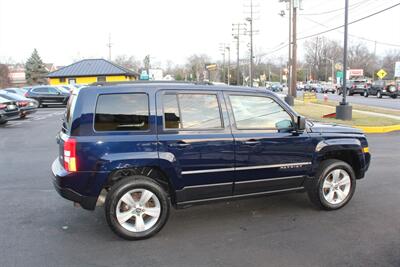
(60, 174)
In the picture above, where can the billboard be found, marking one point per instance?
(397, 69)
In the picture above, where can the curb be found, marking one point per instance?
(379, 129)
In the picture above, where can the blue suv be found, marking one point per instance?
(140, 148)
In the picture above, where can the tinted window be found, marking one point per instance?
(11, 91)
(122, 112)
(192, 111)
(171, 112)
(41, 90)
(256, 112)
(53, 90)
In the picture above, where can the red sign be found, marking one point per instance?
(356, 72)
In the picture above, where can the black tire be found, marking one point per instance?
(121, 188)
(3, 122)
(366, 94)
(315, 190)
(379, 94)
(394, 96)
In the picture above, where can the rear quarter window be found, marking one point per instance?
(122, 112)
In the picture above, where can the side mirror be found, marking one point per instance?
(301, 123)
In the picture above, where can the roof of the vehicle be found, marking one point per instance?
(178, 86)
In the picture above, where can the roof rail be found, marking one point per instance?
(148, 82)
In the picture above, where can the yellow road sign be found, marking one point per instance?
(381, 73)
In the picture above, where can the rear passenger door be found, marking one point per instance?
(195, 135)
(269, 157)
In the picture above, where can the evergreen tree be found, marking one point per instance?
(35, 70)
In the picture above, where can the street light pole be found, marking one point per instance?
(344, 110)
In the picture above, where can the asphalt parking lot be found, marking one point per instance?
(372, 101)
(39, 228)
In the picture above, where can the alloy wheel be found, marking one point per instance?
(336, 186)
(138, 210)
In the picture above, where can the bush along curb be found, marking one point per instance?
(379, 129)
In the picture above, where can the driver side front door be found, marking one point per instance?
(268, 155)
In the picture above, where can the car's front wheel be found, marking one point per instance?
(137, 208)
(379, 94)
(333, 186)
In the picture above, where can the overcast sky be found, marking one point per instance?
(67, 30)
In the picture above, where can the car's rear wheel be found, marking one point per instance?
(137, 208)
(333, 186)
(394, 96)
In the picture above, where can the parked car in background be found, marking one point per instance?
(26, 105)
(19, 91)
(329, 88)
(46, 95)
(382, 88)
(141, 148)
(8, 110)
(276, 87)
(354, 87)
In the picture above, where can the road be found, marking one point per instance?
(385, 102)
(39, 228)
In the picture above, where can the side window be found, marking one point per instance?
(191, 111)
(42, 90)
(52, 90)
(258, 112)
(122, 112)
(101, 78)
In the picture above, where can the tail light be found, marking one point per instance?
(70, 160)
(3, 106)
(22, 103)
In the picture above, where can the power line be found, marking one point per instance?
(359, 37)
(338, 27)
(332, 11)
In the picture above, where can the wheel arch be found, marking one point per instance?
(347, 150)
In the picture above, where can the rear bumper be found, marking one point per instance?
(60, 175)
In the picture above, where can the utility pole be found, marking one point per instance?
(289, 64)
(222, 50)
(237, 29)
(250, 19)
(344, 110)
(294, 55)
(289, 97)
(109, 45)
(229, 63)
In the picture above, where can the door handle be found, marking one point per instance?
(251, 142)
(179, 145)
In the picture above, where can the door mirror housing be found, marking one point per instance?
(301, 123)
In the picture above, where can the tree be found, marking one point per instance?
(359, 57)
(4, 76)
(129, 62)
(318, 51)
(388, 62)
(196, 66)
(35, 70)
